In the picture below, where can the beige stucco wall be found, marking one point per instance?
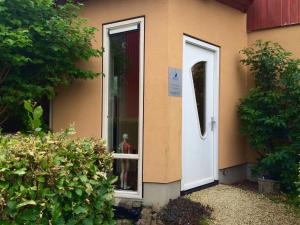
(165, 23)
(289, 38)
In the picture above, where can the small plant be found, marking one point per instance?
(270, 114)
(298, 183)
(34, 116)
(296, 200)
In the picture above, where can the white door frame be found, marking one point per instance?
(113, 28)
(216, 50)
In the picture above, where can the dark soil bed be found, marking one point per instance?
(247, 185)
(182, 211)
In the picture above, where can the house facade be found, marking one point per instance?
(167, 102)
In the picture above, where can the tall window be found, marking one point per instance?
(123, 105)
(123, 98)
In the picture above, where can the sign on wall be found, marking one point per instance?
(175, 82)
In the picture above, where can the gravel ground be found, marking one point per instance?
(234, 206)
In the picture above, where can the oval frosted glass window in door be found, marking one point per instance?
(199, 80)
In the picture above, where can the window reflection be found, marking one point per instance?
(123, 93)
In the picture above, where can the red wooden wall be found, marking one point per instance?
(264, 14)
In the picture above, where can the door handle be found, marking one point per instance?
(213, 122)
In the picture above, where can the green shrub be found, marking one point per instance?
(53, 179)
(41, 44)
(270, 114)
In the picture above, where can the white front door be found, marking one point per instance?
(199, 113)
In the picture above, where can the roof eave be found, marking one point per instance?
(241, 5)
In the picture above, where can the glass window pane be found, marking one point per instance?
(199, 80)
(123, 93)
(127, 172)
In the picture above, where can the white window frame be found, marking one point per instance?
(113, 28)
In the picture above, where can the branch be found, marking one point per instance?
(2, 121)
(3, 109)
(3, 74)
(260, 153)
(3, 118)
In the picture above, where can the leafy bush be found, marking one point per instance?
(270, 114)
(48, 178)
(40, 44)
(53, 178)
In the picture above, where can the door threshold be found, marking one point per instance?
(182, 193)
